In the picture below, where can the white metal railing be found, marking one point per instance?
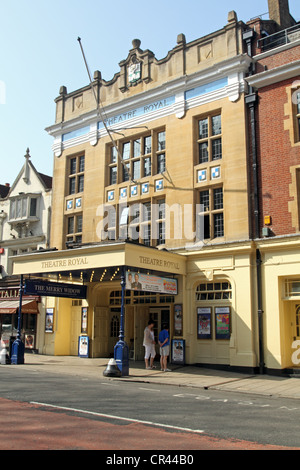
(281, 38)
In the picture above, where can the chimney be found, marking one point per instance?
(279, 12)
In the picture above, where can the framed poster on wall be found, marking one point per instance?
(84, 311)
(222, 315)
(29, 341)
(83, 346)
(178, 328)
(49, 323)
(204, 330)
(178, 351)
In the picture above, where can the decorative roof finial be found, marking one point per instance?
(136, 43)
(26, 167)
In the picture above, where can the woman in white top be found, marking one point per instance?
(149, 344)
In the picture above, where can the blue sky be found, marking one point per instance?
(39, 52)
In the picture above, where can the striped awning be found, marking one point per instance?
(11, 306)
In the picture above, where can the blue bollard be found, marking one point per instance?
(17, 352)
(121, 355)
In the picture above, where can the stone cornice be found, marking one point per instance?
(85, 127)
(278, 74)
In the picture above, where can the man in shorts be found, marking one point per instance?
(149, 344)
(164, 342)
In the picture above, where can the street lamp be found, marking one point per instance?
(18, 348)
(121, 350)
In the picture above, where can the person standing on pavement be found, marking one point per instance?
(149, 344)
(164, 342)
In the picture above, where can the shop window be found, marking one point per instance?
(8, 327)
(209, 139)
(214, 291)
(76, 174)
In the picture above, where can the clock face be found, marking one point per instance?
(134, 72)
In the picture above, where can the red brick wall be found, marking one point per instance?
(275, 156)
(275, 60)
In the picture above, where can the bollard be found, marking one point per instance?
(112, 370)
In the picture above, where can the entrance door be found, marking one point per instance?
(141, 317)
(159, 316)
(294, 338)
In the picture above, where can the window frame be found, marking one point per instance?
(209, 291)
(140, 154)
(73, 235)
(147, 218)
(76, 171)
(20, 208)
(209, 139)
(212, 210)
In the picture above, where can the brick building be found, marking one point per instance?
(274, 111)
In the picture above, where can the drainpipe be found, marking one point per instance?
(260, 313)
(251, 100)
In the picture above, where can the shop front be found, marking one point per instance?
(9, 308)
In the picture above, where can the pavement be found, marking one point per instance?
(181, 376)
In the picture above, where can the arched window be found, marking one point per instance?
(210, 291)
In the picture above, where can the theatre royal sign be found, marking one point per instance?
(97, 257)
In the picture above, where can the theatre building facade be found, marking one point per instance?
(151, 183)
(150, 177)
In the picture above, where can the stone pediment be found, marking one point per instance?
(136, 68)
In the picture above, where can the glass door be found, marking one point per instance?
(160, 316)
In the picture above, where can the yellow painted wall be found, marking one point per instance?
(63, 327)
(281, 260)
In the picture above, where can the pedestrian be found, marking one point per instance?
(164, 342)
(149, 344)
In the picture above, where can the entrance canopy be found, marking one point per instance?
(11, 306)
(87, 260)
